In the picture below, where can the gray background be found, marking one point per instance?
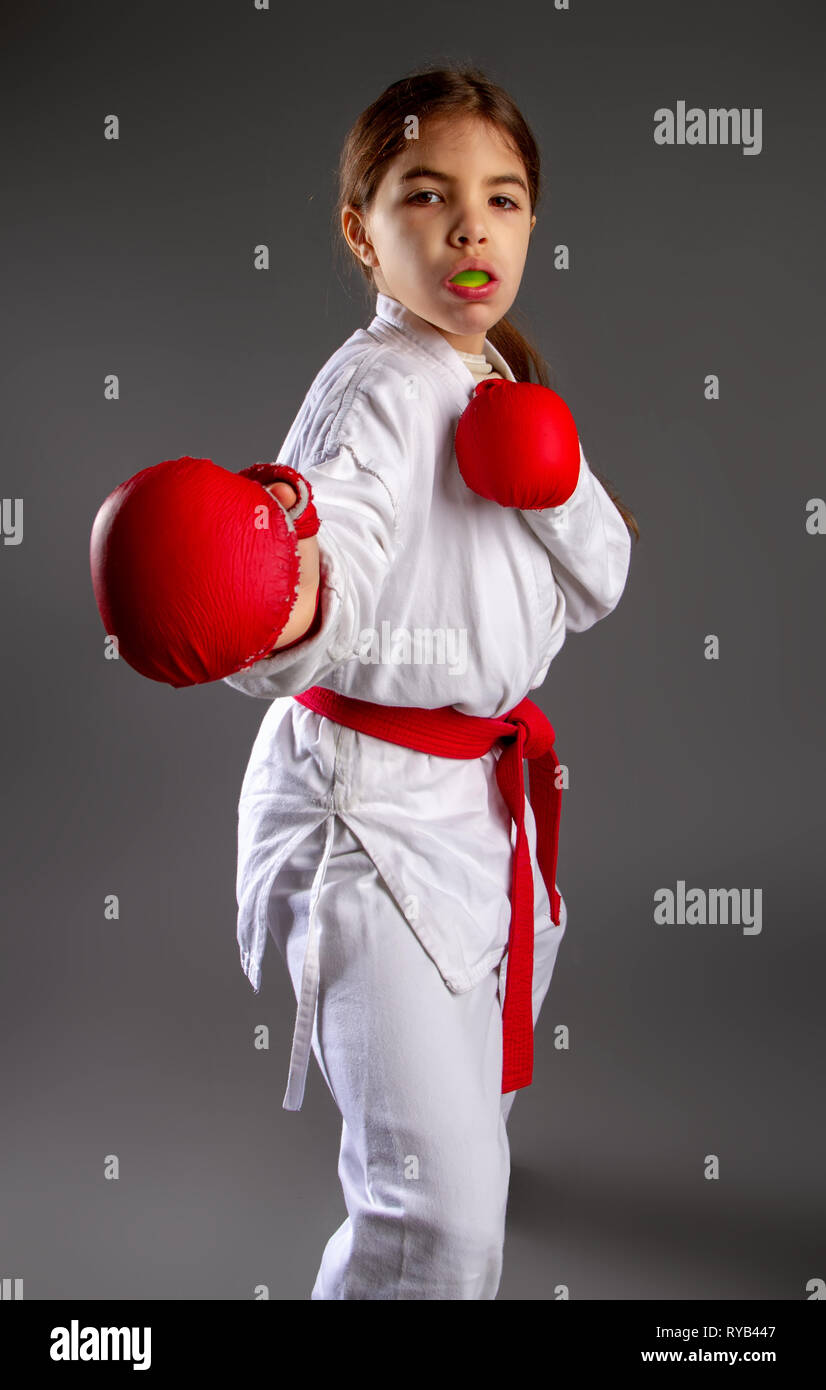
(135, 1037)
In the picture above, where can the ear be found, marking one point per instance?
(533, 221)
(355, 232)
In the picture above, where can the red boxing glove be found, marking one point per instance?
(194, 579)
(517, 444)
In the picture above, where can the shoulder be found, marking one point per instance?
(367, 398)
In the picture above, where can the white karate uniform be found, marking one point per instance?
(430, 596)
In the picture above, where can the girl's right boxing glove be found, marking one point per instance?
(195, 569)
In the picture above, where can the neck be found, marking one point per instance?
(474, 343)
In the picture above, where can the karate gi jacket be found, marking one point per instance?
(430, 596)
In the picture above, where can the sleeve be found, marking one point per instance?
(589, 548)
(360, 499)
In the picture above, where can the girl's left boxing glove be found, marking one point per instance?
(195, 569)
(517, 444)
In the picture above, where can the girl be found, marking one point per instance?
(383, 871)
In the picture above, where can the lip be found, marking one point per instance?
(472, 291)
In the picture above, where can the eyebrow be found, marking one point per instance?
(420, 172)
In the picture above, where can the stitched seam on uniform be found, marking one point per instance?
(321, 455)
(331, 451)
(338, 756)
(370, 360)
(365, 468)
(333, 445)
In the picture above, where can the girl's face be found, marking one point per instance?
(472, 202)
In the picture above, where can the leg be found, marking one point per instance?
(415, 1071)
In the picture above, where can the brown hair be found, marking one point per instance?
(378, 135)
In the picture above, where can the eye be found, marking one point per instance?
(430, 193)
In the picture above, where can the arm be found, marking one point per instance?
(517, 445)
(357, 541)
(589, 547)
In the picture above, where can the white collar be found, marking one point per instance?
(433, 342)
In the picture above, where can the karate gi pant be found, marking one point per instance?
(416, 1073)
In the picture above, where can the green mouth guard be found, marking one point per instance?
(470, 277)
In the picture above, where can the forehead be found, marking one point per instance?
(454, 137)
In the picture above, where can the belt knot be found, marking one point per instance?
(539, 736)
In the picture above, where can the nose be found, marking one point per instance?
(470, 230)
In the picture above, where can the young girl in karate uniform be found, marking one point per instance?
(384, 871)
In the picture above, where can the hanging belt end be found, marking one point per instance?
(294, 1094)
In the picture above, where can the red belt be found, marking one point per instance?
(450, 734)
